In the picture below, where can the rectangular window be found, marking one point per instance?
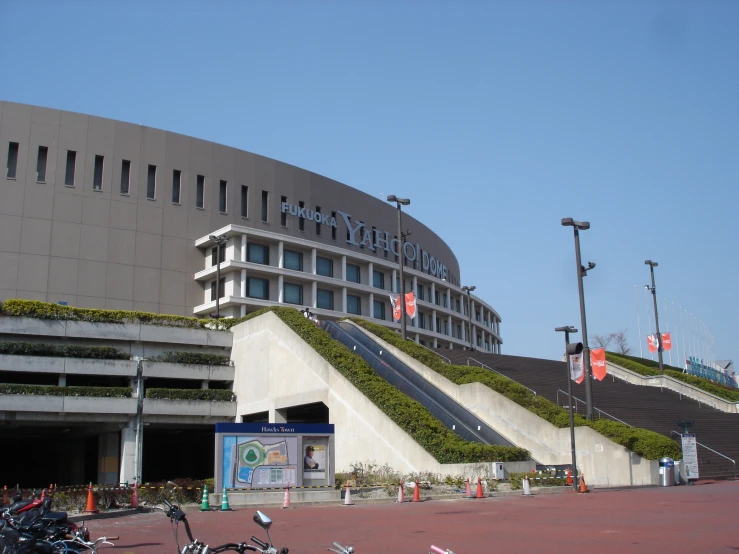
(222, 195)
(457, 304)
(379, 309)
(437, 329)
(333, 229)
(420, 292)
(325, 299)
(43, 154)
(257, 253)
(324, 266)
(352, 273)
(421, 320)
(318, 223)
(459, 331)
(69, 172)
(437, 298)
(12, 159)
(446, 328)
(125, 176)
(97, 176)
(353, 304)
(176, 182)
(293, 294)
(244, 201)
(221, 289)
(213, 254)
(151, 182)
(378, 279)
(293, 260)
(200, 192)
(257, 288)
(265, 205)
(301, 220)
(283, 215)
(397, 285)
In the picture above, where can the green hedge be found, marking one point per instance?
(717, 389)
(409, 415)
(192, 358)
(643, 442)
(47, 310)
(216, 395)
(642, 361)
(62, 350)
(50, 390)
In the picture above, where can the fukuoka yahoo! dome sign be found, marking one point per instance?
(359, 235)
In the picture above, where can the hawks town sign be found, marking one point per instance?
(359, 235)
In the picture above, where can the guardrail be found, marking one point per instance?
(499, 373)
(609, 416)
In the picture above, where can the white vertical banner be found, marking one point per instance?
(690, 455)
(577, 372)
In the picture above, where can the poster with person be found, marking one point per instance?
(315, 459)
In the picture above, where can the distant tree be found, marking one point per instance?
(602, 341)
(622, 346)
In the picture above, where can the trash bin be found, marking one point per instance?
(677, 472)
(666, 472)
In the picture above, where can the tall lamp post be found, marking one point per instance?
(220, 241)
(469, 312)
(582, 272)
(653, 289)
(571, 349)
(401, 257)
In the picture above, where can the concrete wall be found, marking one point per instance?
(603, 462)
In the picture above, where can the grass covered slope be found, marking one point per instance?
(444, 445)
(643, 442)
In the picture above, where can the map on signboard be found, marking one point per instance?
(253, 454)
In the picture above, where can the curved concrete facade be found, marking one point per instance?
(104, 214)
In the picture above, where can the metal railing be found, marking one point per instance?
(600, 412)
(435, 352)
(673, 432)
(498, 372)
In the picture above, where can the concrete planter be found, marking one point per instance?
(155, 406)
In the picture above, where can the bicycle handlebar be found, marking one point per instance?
(260, 543)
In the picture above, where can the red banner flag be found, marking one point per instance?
(577, 372)
(666, 341)
(395, 301)
(410, 305)
(652, 343)
(598, 363)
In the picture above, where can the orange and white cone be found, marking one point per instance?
(468, 491)
(135, 496)
(401, 494)
(286, 501)
(90, 507)
(416, 493)
(583, 486)
(569, 477)
(348, 496)
(479, 489)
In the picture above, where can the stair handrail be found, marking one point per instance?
(709, 448)
(499, 373)
(434, 351)
(596, 409)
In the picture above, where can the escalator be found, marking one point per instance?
(452, 414)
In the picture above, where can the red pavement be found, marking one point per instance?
(698, 519)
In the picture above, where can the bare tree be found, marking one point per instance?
(602, 341)
(619, 337)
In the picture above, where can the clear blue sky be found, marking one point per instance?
(496, 118)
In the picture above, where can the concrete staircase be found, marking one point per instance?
(646, 407)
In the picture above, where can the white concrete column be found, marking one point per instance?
(433, 321)
(449, 298)
(314, 292)
(449, 324)
(371, 274)
(436, 343)
(277, 416)
(343, 298)
(432, 294)
(128, 453)
(243, 283)
(62, 380)
(204, 385)
(343, 268)
(313, 257)
(393, 286)
(372, 304)
(280, 288)
(418, 338)
(280, 255)
(415, 286)
(243, 247)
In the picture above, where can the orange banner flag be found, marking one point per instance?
(598, 363)
(410, 305)
(666, 341)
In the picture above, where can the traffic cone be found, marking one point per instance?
(583, 486)
(224, 502)
(205, 504)
(401, 494)
(135, 495)
(526, 487)
(90, 507)
(416, 493)
(479, 489)
(569, 476)
(286, 501)
(468, 492)
(348, 496)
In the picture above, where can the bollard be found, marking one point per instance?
(348, 496)
(479, 489)
(526, 487)
(416, 493)
(286, 500)
(205, 503)
(401, 494)
(224, 502)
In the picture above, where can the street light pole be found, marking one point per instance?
(567, 330)
(652, 265)
(469, 312)
(220, 240)
(401, 259)
(582, 272)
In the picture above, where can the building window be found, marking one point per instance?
(421, 320)
(437, 329)
(318, 223)
(200, 192)
(244, 201)
(379, 309)
(324, 266)
(352, 273)
(151, 182)
(378, 279)
(446, 328)
(43, 154)
(257, 288)
(457, 304)
(333, 229)
(420, 292)
(437, 298)
(293, 294)
(97, 176)
(221, 289)
(257, 253)
(293, 260)
(69, 172)
(353, 304)
(283, 215)
(265, 205)
(12, 160)
(325, 299)
(459, 331)
(222, 194)
(214, 253)
(125, 176)
(176, 182)
(301, 220)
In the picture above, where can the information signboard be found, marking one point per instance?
(690, 455)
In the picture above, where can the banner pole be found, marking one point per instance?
(638, 323)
